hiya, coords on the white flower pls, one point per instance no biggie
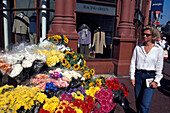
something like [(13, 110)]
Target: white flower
[(26, 63), (16, 70)]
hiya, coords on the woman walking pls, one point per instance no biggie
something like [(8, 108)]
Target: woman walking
[(146, 64)]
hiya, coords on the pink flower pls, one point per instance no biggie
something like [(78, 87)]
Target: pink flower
[(102, 97), (113, 105), (103, 102), (105, 109), (97, 95), (117, 80), (106, 94)]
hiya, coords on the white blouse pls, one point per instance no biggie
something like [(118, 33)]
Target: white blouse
[(153, 61)]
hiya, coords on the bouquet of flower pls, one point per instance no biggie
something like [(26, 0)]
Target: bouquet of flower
[(58, 39), (20, 98), (104, 101)]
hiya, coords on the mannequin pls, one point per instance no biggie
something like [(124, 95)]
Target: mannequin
[(21, 27), (85, 40), (33, 28), (99, 41)]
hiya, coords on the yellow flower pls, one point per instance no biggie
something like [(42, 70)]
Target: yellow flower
[(86, 75), (51, 62), (81, 69), (104, 77), (17, 106), (87, 71), (74, 57), (63, 60), (66, 40), (55, 99), (56, 37), (49, 37), (68, 52), (76, 67), (61, 55), (78, 110), (52, 107), (41, 97), (74, 94), (59, 111), (87, 92), (84, 62), (64, 103), (83, 84), (68, 65), (99, 81), (46, 106), (92, 71), (82, 56), (61, 107), (72, 106), (91, 84)]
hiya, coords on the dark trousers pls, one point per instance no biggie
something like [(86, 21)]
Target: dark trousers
[(84, 49), (21, 38), (143, 94)]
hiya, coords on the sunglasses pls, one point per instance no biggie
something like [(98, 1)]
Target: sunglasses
[(146, 34)]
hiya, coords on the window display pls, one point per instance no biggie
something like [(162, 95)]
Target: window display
[(21, 27), (99, 41), (85, 40), (33, 28)]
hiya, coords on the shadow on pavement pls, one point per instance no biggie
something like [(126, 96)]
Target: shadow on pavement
[(125, 105), (165, 86)]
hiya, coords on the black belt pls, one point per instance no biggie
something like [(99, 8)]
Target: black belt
[(145, 71)]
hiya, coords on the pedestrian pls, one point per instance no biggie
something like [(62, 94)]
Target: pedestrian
[(146, 62), (162, 42)]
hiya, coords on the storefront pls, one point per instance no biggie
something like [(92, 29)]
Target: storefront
[(119, 28)]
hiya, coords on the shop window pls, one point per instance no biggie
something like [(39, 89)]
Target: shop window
[(22, 19), (111, 1), (96, 32)]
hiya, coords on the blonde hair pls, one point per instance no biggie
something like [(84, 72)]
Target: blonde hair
[(155, 32)]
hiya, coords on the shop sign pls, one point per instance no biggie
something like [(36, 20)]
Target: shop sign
[(157, 5), (83, 7), (156, 23)]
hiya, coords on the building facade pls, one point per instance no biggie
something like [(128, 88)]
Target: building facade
[(120, 21)]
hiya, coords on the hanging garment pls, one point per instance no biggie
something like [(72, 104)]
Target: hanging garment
[(21, 25), (99, 41)]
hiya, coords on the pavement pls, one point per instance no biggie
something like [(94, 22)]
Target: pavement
[(161, 99)]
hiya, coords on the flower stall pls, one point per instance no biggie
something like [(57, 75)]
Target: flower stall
[(52, 78)]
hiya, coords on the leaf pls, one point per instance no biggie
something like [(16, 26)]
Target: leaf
[(98, 106)]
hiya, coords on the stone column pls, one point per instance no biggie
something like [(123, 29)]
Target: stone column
[(146, 11), (124, 42), (64, 22)]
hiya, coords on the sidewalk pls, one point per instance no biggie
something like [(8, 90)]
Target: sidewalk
[(161, 98)]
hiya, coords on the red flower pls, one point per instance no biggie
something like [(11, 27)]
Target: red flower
[(68, 109), (125, 89), (43, 111)]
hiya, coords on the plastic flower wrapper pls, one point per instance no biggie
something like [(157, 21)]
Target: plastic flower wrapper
[(4, 70), (52, 54)]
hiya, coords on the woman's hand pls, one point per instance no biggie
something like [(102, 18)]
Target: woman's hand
[(133, 82), (153, 85)]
